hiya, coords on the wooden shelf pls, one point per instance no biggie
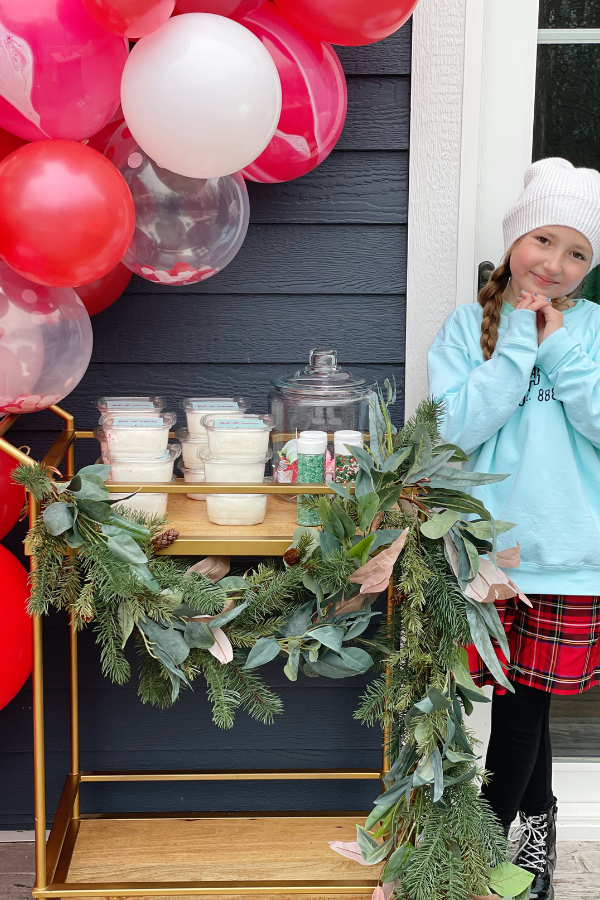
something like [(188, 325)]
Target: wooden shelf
[(128, 855), (199, 536)]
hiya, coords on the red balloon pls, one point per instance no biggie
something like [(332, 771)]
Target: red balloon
[(129, 18), (348, 22), (314, 98), (12, 496), (10, 142), (232, 9), (67, 213), (16, 642), (98, 295)]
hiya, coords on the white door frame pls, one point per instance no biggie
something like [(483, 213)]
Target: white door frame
[(472, 89)]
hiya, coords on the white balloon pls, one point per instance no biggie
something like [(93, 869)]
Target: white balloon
[(201, 95)]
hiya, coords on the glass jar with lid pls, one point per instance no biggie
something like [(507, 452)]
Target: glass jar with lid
[(321, 397)]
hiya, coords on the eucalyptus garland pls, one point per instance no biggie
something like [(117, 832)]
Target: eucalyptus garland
[(409, 522)]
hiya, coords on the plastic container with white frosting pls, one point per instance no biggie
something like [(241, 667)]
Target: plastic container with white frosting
[(144, 471), (235, 471), (195, 475), (198, 407), (101, 438), (238, 436), (152, 504), (130, 406), (138, 437), (236, 509), (191, 447)]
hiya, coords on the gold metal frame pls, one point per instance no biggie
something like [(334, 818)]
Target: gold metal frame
[(52, 859)]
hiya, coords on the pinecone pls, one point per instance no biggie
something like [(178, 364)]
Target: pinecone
[(87, 615), (291, 557), (164, 540)]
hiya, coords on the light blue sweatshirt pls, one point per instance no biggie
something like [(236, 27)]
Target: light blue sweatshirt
[(533, 412)]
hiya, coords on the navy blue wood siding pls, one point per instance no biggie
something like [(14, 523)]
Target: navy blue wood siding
[(324, 263)]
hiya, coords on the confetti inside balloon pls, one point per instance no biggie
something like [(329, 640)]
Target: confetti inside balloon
[(45, 343), (186, 229)]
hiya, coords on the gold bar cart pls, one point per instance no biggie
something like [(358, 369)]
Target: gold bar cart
[(279, 854)]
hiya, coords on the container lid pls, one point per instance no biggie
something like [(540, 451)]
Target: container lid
[(311, 442), (171, 454), (343, 439), (323, 378), (114, 405), (223, 422), (207, 456), (182, 434), (206, 404), (122, 420), (199, 468)]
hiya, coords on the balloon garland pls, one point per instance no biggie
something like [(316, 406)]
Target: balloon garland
[(12, 496), (16, 644)]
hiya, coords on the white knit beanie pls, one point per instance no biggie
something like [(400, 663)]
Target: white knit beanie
[(556, 193)]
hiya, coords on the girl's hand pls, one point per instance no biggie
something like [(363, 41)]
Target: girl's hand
[(548, 319)]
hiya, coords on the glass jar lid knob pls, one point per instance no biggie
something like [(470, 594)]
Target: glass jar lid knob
[(322, 362)]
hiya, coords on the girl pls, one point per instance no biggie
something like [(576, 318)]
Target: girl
[(520, 377)]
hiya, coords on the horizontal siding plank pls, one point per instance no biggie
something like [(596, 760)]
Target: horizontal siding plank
[(184, 328), (388, 57), (352, 187), (378, 113), (306, 259)]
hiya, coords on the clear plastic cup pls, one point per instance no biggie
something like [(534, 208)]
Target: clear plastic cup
[(198, 407), (142, 437), (151, 504), (236, 509), (238, 437), (191, 447), (130, 406), (235, 471), (144, 471), (101, 438)]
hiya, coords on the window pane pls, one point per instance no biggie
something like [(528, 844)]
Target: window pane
[(569, 14), (567, 103)]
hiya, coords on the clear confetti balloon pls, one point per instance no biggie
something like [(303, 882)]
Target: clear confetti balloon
[(45, 343), (186, 229)]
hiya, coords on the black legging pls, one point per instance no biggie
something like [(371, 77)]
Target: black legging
[(520, 754)]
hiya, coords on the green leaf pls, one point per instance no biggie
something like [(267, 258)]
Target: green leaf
[(264, 650), (57, 518), (438, 775), (367, 510), (123, 547), (347, 523), (459, 779), (356, 659), (482, 529), (393, 462), (228, 616), (98, 469), (421, 447), (336, 526), (199, 634), (439, 524), (73, 537), (463, 677), (422, 732), (125, 618), (483, 644), (362, 549), (309, 583), (168, 639), (464, 561), (389, 497), (329, 635), (303, 530), (363, 484), (459, 453), (397, 863), (425, 705), (329, 544), (385, 536), (449, 499), (291, 666), (375, 816), (473, 557), (96, 510), (489, 613), (298, 622), (456, 478), (509, 880), (402, 764), (450, 729), (360, 624), (234, 583), (92, 488), (456, 756), (432, 466), (362, 457), (437, 699), (424, 773), (144, 574), (140, 532), (371, 851), (344, 664)]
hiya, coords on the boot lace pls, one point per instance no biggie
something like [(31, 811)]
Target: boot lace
[(533, 833)]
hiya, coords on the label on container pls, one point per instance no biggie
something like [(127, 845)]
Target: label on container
[(223, 422), (124, 422), (129, 404), (224, 404)]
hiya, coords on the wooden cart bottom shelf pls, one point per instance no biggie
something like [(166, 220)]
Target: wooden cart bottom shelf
[(283, 855)]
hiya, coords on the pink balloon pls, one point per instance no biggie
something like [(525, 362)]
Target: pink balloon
[(314, 98), (130, 18), (233, 9), (60, 72)]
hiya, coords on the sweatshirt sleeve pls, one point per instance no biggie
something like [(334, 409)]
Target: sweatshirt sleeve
[(480, 399), (575, 379)]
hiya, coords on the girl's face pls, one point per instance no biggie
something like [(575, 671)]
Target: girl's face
[(552, 261)]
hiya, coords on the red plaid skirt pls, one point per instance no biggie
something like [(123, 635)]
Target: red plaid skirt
[(554, 646)]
